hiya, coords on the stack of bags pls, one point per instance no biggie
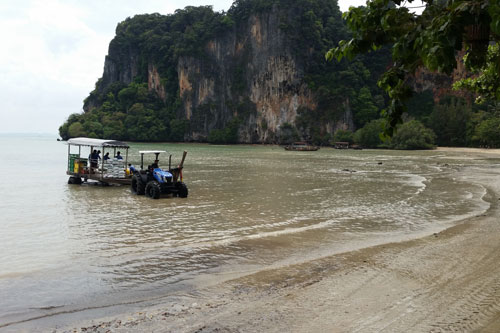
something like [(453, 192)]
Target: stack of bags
[(114, 168)]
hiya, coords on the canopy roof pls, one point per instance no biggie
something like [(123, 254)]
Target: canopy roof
[(151, 151), (97, 142)]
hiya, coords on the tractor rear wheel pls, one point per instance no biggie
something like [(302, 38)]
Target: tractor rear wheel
[(153, 189), (182, 190), (137, 185)]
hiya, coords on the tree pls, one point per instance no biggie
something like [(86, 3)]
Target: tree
[(75, 130), (449, 121), (369, 135), (364, 108), (488, 133), (288, 134), (229, 134), (343, 136), (431, 39), (486, 83), (178, 129), (413, 135)]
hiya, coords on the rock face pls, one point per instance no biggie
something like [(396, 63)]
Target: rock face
[(250, 73), (441, 84)]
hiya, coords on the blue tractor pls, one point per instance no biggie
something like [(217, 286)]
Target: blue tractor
[(154, 181)]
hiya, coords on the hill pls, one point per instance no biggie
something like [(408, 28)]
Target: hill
[(256, 74)]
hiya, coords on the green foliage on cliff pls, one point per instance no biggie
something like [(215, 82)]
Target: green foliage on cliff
[(129, 113), (288, 134), (228, 134)]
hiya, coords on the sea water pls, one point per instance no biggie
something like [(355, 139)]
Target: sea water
[(67, 249)]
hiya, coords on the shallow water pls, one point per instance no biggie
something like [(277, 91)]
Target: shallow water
[(65, 248)]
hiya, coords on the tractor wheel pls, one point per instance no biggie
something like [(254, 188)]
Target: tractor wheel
[(137, 185), (74, 180), (153, 189), (182, 190)]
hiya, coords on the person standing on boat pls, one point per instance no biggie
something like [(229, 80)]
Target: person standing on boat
[(94, 157)]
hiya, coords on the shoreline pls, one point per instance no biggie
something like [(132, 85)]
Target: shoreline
[(445, 281), (482, 151)]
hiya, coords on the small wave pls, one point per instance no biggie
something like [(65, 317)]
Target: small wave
[(419, 182), (266, 234), (208, 242)]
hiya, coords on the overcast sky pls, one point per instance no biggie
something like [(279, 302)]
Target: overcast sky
[(52, 53)]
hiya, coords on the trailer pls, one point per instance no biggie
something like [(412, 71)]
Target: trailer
[(85, 164)]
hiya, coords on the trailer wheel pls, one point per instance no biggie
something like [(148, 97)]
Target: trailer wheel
[(153, 189), (74, 180), (182, 190), (137, 185)]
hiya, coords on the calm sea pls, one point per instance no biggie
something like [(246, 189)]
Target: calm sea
[(70, 249)]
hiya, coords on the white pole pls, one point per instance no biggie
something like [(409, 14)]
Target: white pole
[(69, 155)]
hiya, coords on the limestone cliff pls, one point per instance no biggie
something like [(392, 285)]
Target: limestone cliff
[(253, 66), (441, 85), (251, 72)]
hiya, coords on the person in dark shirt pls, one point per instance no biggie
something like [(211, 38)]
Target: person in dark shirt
[(118, 156), (153, 166), (94, 157), (106, 156)]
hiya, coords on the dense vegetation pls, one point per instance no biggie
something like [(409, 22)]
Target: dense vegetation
[(431, 39), (132, 112)]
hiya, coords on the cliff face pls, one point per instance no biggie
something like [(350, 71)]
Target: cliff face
[(441, 85), (254, 61), (250, 72)]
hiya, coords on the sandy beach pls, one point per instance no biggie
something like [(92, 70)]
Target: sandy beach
[(447, 281)]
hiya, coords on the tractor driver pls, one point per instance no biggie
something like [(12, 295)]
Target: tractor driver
[(154, 165)]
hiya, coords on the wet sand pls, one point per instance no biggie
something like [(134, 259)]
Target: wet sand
[(448, 281)]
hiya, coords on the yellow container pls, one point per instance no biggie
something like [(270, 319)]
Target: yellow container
[(76, 168)]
